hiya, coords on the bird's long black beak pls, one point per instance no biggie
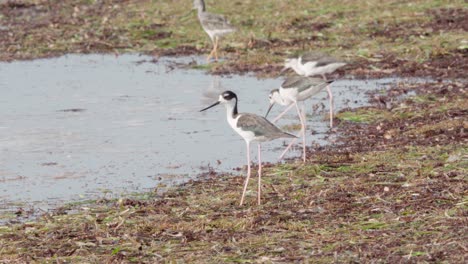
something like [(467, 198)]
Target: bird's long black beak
[(269, 109), (215, 104)]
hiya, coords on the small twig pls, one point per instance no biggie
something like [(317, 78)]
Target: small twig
[(278, 192), (380, 199), (119, 225)]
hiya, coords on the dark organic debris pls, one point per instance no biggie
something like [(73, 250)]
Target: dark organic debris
[(430, 127), (393, 184), (49, 164), (183, 50), (72, 110), (308, 24), (452, 65), (449, 19)]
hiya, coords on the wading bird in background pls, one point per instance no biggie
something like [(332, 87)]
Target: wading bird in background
[(293, 90), (216, 26), (312, 64)]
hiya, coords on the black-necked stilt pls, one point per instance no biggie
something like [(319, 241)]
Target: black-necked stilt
[(296, 89), (216, 26), (251, 128), (312, 64)]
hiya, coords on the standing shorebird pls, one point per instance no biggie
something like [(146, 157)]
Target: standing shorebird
[(251, 128), (216, 26), (296, 89), (315, 63)]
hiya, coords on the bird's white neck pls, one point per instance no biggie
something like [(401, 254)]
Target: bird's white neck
[(231, 114), (231, 109), (296, 65), (200, 10), (280, 100), (200, 6)]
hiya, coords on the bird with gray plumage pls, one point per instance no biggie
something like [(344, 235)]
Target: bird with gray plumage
[(216, 26), (252, 128), (315, 63), (293, 90)]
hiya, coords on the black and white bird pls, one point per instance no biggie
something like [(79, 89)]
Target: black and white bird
[(293, 90), (216, 26), (312, 64), (252, 128)]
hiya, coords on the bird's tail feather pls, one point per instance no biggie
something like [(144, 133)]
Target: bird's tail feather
[(287, 135)]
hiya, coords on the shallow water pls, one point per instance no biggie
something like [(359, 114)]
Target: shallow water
[(87, 126)]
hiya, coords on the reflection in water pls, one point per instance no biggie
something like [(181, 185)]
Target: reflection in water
[(213, 91), (79, 126)]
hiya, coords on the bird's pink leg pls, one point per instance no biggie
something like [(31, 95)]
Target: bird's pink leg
[(294, 140), (259, 174), (303, 133), (282, 113), (330, 95), (216, 48), (248, 174), (209, 56), (288, 147), (212, 52)]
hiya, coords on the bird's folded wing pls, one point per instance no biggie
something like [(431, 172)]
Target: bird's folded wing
[(258, 125), (301, 83), (215, 21), (327, 61)]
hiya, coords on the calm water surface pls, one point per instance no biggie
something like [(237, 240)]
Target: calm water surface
[(87, 126)]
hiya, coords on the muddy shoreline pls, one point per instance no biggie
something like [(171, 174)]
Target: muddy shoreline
[(43, 29), (140, 155), (393, 190), (395, 183)]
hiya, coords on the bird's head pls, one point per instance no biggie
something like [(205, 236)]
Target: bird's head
[(227, 98), (273, 97), (199, 4)]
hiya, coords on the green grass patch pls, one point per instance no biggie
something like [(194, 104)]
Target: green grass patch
[(267, 30), (373, 226), (368, 115)]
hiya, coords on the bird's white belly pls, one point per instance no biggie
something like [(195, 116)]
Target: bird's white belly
[(308, 68), (332, 67), (217, 32), (312, 70), (246, 135), (304, 95), (289, 94)]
